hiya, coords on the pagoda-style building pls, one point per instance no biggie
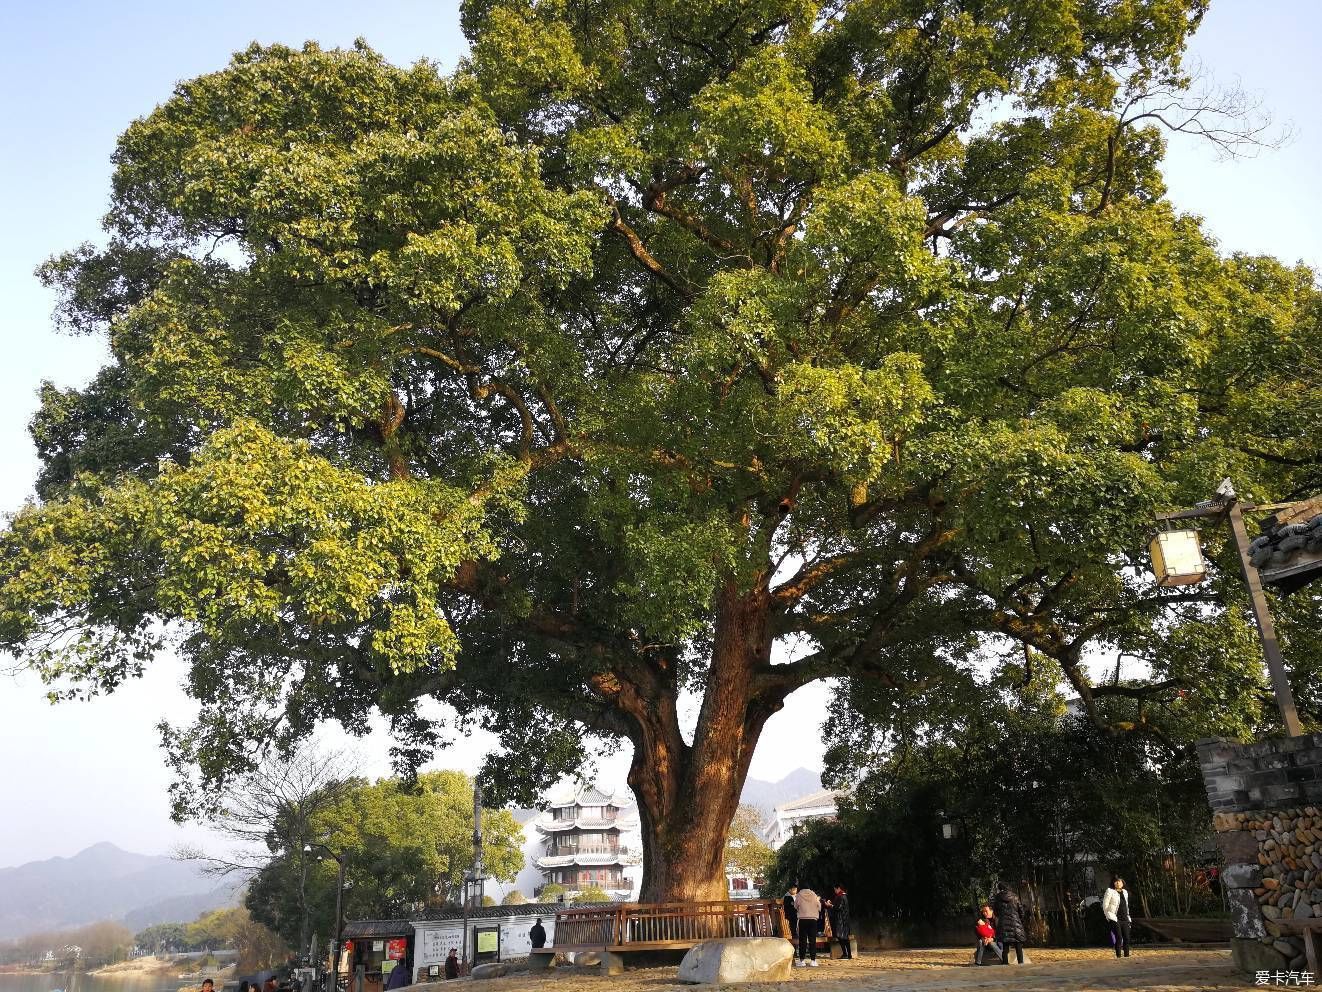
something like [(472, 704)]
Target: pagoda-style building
[(585, 835)]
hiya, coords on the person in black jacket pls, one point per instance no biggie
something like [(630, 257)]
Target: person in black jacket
[(840, 920), (1009, 923), (537, 935), (791, 914)]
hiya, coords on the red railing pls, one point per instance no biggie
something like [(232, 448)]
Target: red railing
[(639, 925)]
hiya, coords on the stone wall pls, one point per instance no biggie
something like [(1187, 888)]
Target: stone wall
[(1266, 801)]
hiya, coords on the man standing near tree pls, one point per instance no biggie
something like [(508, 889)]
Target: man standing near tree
[(1115, 907), (807, 907)]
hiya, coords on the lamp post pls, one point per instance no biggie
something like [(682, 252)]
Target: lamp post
[(473, 880), (1173, 561), (333, 981)]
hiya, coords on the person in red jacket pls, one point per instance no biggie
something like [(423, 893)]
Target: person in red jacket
[(986, 930)]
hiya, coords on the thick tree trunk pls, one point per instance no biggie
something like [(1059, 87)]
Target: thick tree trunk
[(688, 793)]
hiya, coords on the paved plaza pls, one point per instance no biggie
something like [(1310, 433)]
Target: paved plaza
[(1160, 970)]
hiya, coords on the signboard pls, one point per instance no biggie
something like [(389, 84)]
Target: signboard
[(378, 946), (396, 949), (435, 944), (488, 941)]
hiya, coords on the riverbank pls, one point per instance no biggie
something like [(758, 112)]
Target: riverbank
[(146, 965)]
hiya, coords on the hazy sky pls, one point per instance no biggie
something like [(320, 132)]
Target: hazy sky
[(76, 73)]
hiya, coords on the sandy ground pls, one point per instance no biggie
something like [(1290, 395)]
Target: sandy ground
[(1051, 970), (138, 966)]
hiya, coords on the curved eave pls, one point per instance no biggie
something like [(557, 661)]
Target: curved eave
[(581, 861)]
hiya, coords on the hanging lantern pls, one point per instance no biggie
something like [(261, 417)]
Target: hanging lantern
[(1177, 558)]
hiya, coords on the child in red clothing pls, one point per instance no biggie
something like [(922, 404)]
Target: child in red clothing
[(986, 935)]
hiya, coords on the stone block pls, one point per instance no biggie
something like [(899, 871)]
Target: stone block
[(836, 952), (604, 962), (1222, 822), (737, 959), (544, 962), (1242, 876), (492, 969), (1245, 917), (1252, 956), (1237, 847)]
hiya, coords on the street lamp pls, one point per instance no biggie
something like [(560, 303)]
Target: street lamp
[(1177, 560), (332, 983)]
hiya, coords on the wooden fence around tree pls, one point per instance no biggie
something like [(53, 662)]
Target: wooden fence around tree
[(666, 925)]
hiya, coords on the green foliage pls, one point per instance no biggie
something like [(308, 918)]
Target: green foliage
[(650, 339), (745, 851), (406, 849), (514, 898), (592, 893), (1033, 796), (258, 948), (551, 892), (163, 938)]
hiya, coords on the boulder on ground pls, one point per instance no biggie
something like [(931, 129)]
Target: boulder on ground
[(737, 959), (604, 961), (493, 969)]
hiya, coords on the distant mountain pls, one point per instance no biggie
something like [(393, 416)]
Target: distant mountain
[(105, 883), (767, 795)]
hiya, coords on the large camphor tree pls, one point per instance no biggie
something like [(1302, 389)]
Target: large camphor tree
[(708, 347)]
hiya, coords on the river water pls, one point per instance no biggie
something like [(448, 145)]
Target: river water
[(89, 983)]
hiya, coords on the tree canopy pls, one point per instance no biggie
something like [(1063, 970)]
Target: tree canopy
[(1018, 790), (717, 346), (406, 849)]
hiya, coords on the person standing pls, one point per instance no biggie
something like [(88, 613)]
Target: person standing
[(452, 964), (791, 917), (1115, 907), (399, 976), (840, 921), (1009, 923), (807, 906), (537, 935)]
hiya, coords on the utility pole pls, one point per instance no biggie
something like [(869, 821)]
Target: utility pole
[(1227, 506), (333, 976)]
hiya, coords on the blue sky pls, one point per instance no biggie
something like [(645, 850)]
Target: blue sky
[(76, 73)]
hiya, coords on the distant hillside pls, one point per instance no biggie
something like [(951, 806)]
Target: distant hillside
[(105, 883), (767, 795)]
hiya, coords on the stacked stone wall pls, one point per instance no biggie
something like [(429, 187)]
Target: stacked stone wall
[(1266, 800)]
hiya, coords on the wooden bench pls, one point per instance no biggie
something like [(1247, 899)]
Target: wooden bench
[(1309, 930)]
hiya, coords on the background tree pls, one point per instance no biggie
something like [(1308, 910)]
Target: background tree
[(267, 814), (406, 846), (1032, 794), (514, 898), (593, 893), (746, 852), (257, 946), (163, 938), (716, 348)]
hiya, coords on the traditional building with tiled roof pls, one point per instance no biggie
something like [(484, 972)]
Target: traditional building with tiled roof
[(585, 834), (788, 817)]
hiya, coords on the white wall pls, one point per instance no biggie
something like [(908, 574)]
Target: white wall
[(434, 938)]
